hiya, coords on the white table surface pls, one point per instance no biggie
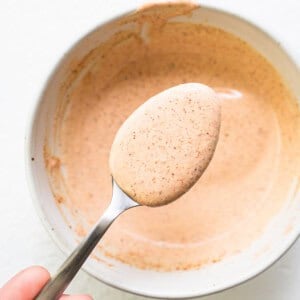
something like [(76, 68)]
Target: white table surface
[(34, 34)]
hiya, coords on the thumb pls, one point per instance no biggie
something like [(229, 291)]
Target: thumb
[(25, 285)]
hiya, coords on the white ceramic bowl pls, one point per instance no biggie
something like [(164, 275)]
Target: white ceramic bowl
[(183, 284)]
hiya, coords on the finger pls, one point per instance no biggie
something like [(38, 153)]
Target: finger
[(25, 285), (76, 297)]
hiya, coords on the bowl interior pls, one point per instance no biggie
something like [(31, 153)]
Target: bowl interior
[(181, 284)]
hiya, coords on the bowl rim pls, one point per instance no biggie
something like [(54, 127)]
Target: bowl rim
[(33, 113)]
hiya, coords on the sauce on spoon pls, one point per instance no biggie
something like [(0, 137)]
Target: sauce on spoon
[(165, 145)]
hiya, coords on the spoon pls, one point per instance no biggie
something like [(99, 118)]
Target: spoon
[(55, 287), (160, 121)]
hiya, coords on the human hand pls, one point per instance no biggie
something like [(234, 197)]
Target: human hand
[(27, 284)]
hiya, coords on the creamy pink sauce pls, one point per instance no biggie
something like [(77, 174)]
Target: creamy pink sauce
[(165, 145), (247, 181)]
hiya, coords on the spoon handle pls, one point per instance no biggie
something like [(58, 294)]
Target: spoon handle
[(57, 284)]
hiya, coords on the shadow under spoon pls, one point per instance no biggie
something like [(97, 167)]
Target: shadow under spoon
[(57, 284)]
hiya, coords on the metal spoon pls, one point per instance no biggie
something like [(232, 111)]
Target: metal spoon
[(55, 287)]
